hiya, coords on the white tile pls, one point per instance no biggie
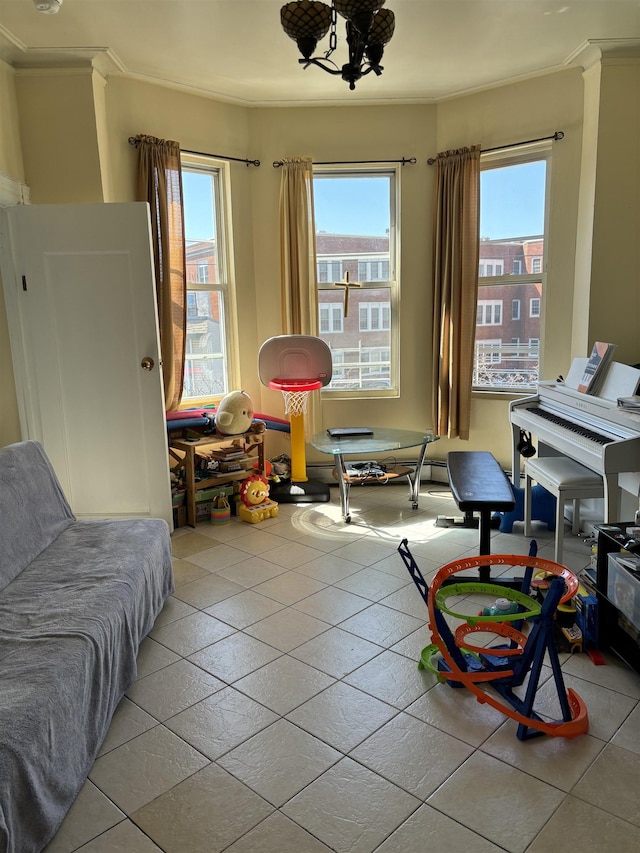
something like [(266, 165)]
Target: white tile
[(145, 767), (329, 568), (220, 722), (252, 571), (381, 625), (289, 587), (244, 608), (351, 809), (628, 735), (494, 800), (123, 838), (332, 605), (128, 721), (372, 584), (207, 591), (218, 557), (612, 783), (152, 656), (284, 684), (336, 652), (412, 754), (392, 678), (456, 711), (428, 829), (342, 716), (581, 826), (278, 834), (287, 629), (191, 633), (279, 761), (90, 815), (163, 694), (235, 656), (203, 814)]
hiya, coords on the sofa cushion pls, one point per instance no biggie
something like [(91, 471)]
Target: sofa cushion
[(33, 508)]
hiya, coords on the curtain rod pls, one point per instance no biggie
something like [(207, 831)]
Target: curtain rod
[(134, 142), (559, 134), (411, 160)]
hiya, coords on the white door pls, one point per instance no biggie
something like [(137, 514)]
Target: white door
[(80, 293)]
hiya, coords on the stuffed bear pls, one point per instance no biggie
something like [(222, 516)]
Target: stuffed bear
[(234, 415), (543, 508)]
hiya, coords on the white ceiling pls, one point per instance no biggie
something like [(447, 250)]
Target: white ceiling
[(236, 50)]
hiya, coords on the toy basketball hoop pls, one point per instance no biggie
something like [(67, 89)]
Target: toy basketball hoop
[(295, 393), (296, 365)]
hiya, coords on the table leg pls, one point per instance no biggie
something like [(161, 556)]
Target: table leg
[(414, 479), (344, 487)]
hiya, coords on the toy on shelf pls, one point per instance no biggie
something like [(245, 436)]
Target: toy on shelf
[(493, 673), (255, 505)]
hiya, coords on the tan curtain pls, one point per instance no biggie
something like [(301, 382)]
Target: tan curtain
[(160, 183), (455, 287), (298, 263)]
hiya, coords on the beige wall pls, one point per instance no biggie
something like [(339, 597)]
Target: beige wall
[(615, 258), (59, 135), (99, 122)]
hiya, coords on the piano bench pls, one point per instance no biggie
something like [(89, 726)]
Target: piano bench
[(478, 484), (568, 481)]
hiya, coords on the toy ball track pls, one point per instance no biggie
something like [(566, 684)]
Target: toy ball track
[(453, 657)]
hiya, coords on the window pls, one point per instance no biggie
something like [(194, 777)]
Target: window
[(489, 314), (329, 271), (209, 370), (374, 316), (373, 269), (330, 318), (513, 191), (355, 214), (490, 266)]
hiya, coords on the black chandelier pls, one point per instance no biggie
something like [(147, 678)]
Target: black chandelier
[(369, 29)]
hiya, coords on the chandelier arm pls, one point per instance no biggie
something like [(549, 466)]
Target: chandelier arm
[(313, 60)]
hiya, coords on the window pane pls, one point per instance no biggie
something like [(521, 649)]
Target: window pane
[(512, 241), (206, 366), (354, 218)]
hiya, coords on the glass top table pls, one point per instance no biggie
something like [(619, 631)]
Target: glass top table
[(382, 441)]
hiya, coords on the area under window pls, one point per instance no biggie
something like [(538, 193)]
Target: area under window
[(210, 311), (355, 215), (513, 191)]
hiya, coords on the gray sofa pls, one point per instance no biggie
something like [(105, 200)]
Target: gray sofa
[(76, 599)]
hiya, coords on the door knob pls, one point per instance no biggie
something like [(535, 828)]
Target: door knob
[(147, 363)]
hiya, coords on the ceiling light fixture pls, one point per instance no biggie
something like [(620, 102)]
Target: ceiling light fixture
[(49, 7), (369, 29)]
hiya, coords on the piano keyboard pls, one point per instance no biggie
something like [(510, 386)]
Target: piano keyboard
[(578, 429)]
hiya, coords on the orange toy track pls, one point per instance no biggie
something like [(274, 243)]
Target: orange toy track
[(516, 657)]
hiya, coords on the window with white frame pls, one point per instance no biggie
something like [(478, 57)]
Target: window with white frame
[(209, 360), (330, 319), (374, 316), (513, 217), (489, 313), (355, 215), (490, 266)]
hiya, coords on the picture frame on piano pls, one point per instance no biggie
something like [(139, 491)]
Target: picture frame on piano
[(596, 368)]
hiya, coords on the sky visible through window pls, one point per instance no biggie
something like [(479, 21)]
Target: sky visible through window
[(361, 205)]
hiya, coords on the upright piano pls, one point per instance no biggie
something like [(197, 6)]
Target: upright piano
[(591, 429)]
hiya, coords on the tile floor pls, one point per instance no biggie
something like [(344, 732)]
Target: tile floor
[(279, 708)]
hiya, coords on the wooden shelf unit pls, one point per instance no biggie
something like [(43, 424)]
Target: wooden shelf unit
[(252, 443)]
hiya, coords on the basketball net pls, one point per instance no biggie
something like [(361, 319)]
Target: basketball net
[(295, 402)]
